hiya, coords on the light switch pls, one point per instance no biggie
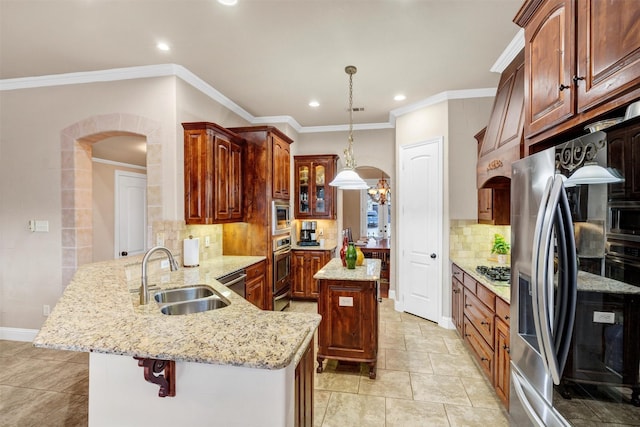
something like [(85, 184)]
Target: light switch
[(40, 226)]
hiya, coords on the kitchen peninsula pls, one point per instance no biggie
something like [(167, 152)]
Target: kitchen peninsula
[(348, 302), (226, 360)]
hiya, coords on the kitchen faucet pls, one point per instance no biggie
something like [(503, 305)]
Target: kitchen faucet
[(144, 289)]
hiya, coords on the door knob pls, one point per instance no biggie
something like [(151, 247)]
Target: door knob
[(433, 256), (124, 253)]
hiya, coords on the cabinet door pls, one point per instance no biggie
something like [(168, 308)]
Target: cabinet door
[(222, 179), (502, 360), (548, 66), (198, 182), (456, 305), (485, 205), (608, 61), (304, 189), (298, 274), (315, 198), (317, 260), (623, 154), (281, 168), (235, 181)]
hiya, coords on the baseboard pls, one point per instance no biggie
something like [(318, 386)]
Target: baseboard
[(447, 323), (392, 294), (18, 334)]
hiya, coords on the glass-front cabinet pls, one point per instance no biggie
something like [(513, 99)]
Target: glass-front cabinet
[(314, 197)]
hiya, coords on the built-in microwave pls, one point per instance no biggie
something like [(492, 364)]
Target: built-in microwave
[(281, 217), (624, 220)]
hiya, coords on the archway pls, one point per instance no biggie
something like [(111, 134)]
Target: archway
[(76, 180)]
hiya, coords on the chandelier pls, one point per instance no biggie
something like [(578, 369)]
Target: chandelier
[(348, 178), (381, 192)]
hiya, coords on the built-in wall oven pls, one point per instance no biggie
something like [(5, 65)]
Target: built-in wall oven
[(281, 272)]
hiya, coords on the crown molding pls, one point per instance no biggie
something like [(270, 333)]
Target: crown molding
[(167, 70), (509, 53)]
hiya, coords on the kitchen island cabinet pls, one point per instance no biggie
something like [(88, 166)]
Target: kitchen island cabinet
[(304, 264), (348, 304), (225, 360)]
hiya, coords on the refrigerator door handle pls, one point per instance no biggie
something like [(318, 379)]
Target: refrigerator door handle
[(544, 217), (519, 383), (544, 282)]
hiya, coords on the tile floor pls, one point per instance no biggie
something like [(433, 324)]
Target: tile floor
[(425, 377)]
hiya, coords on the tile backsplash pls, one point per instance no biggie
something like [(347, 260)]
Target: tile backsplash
[(174, 232), (470, 240)]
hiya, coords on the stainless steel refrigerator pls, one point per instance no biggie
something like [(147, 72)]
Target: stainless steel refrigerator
[(553, 309)]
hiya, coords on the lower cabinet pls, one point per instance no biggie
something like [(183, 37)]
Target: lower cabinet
[(256, 284), (482, 319), (304, 389), (304, 264)]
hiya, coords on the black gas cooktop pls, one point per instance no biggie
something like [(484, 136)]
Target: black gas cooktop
[(499, 274)]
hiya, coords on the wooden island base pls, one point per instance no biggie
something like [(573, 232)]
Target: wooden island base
[(348, 302)]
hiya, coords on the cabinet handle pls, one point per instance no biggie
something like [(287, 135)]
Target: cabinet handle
[(484, 323), (506, 317), (576, 79), (484, 359), (467, 335), (506, 348), (467, 305), (563, 87)]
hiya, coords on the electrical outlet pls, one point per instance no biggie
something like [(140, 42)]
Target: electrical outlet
[(207, 241), (160, 239), (164, 263), (46, 310), (604, 317), (321, 232)]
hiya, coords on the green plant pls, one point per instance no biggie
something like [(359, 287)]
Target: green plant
[(500, 246)]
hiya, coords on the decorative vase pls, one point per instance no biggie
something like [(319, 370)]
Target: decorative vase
[(360, 259), (343, 251), (502, 259), (351, 256)]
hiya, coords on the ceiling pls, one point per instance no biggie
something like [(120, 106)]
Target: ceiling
[(271, 57)]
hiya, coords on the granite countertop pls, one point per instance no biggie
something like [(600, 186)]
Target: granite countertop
[(100, 312), (501, 289), (326, 247), (333, 270), (588, 282)]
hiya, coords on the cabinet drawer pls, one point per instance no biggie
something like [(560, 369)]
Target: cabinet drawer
[(481, 350), (503, 310), (470, 283), (456, 273), (255, 270), (486, 296), (481, 317)]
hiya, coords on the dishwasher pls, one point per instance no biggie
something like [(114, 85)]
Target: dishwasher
[(234, 281)]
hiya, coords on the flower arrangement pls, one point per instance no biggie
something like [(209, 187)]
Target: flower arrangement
[(500, 245)]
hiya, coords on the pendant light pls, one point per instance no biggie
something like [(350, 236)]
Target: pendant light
[(348, 178), (592, 173)]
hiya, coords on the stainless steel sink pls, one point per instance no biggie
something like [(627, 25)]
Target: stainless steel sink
[(190, 299), (195, 306), (183, 294)]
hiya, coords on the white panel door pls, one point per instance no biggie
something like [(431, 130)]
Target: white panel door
[(420, 223), (131, 214)]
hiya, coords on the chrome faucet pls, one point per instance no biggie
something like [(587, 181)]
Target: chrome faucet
[(144, 289)]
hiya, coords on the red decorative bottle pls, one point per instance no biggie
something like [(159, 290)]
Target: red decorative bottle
[(343, 250)]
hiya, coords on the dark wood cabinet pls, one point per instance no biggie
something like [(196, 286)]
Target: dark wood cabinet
[(582, 60), (494, 205), (254, 235), (212, 174), (623, 154), (304, 264), (482, 319), (281, 168), (315, 198), (457, 293), (349, 327), (256, 284), (304, 389)]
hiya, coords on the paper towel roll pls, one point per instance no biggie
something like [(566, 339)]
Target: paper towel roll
[(191, 252)]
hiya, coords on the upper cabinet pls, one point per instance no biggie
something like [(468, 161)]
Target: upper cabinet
[(212, 174), (501, 143), (582, 60), (281, 168), (314, 198)]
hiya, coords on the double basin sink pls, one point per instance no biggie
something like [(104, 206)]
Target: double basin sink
[(190, 299)]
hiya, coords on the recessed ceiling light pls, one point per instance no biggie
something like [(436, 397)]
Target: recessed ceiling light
[(399, 97), (314, 104), (228, 2), (163, 46)]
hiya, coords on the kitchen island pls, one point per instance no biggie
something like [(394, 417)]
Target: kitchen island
[(348, 302), (226, 360)]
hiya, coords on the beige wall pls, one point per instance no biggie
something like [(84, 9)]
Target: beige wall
[(104, 208)]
